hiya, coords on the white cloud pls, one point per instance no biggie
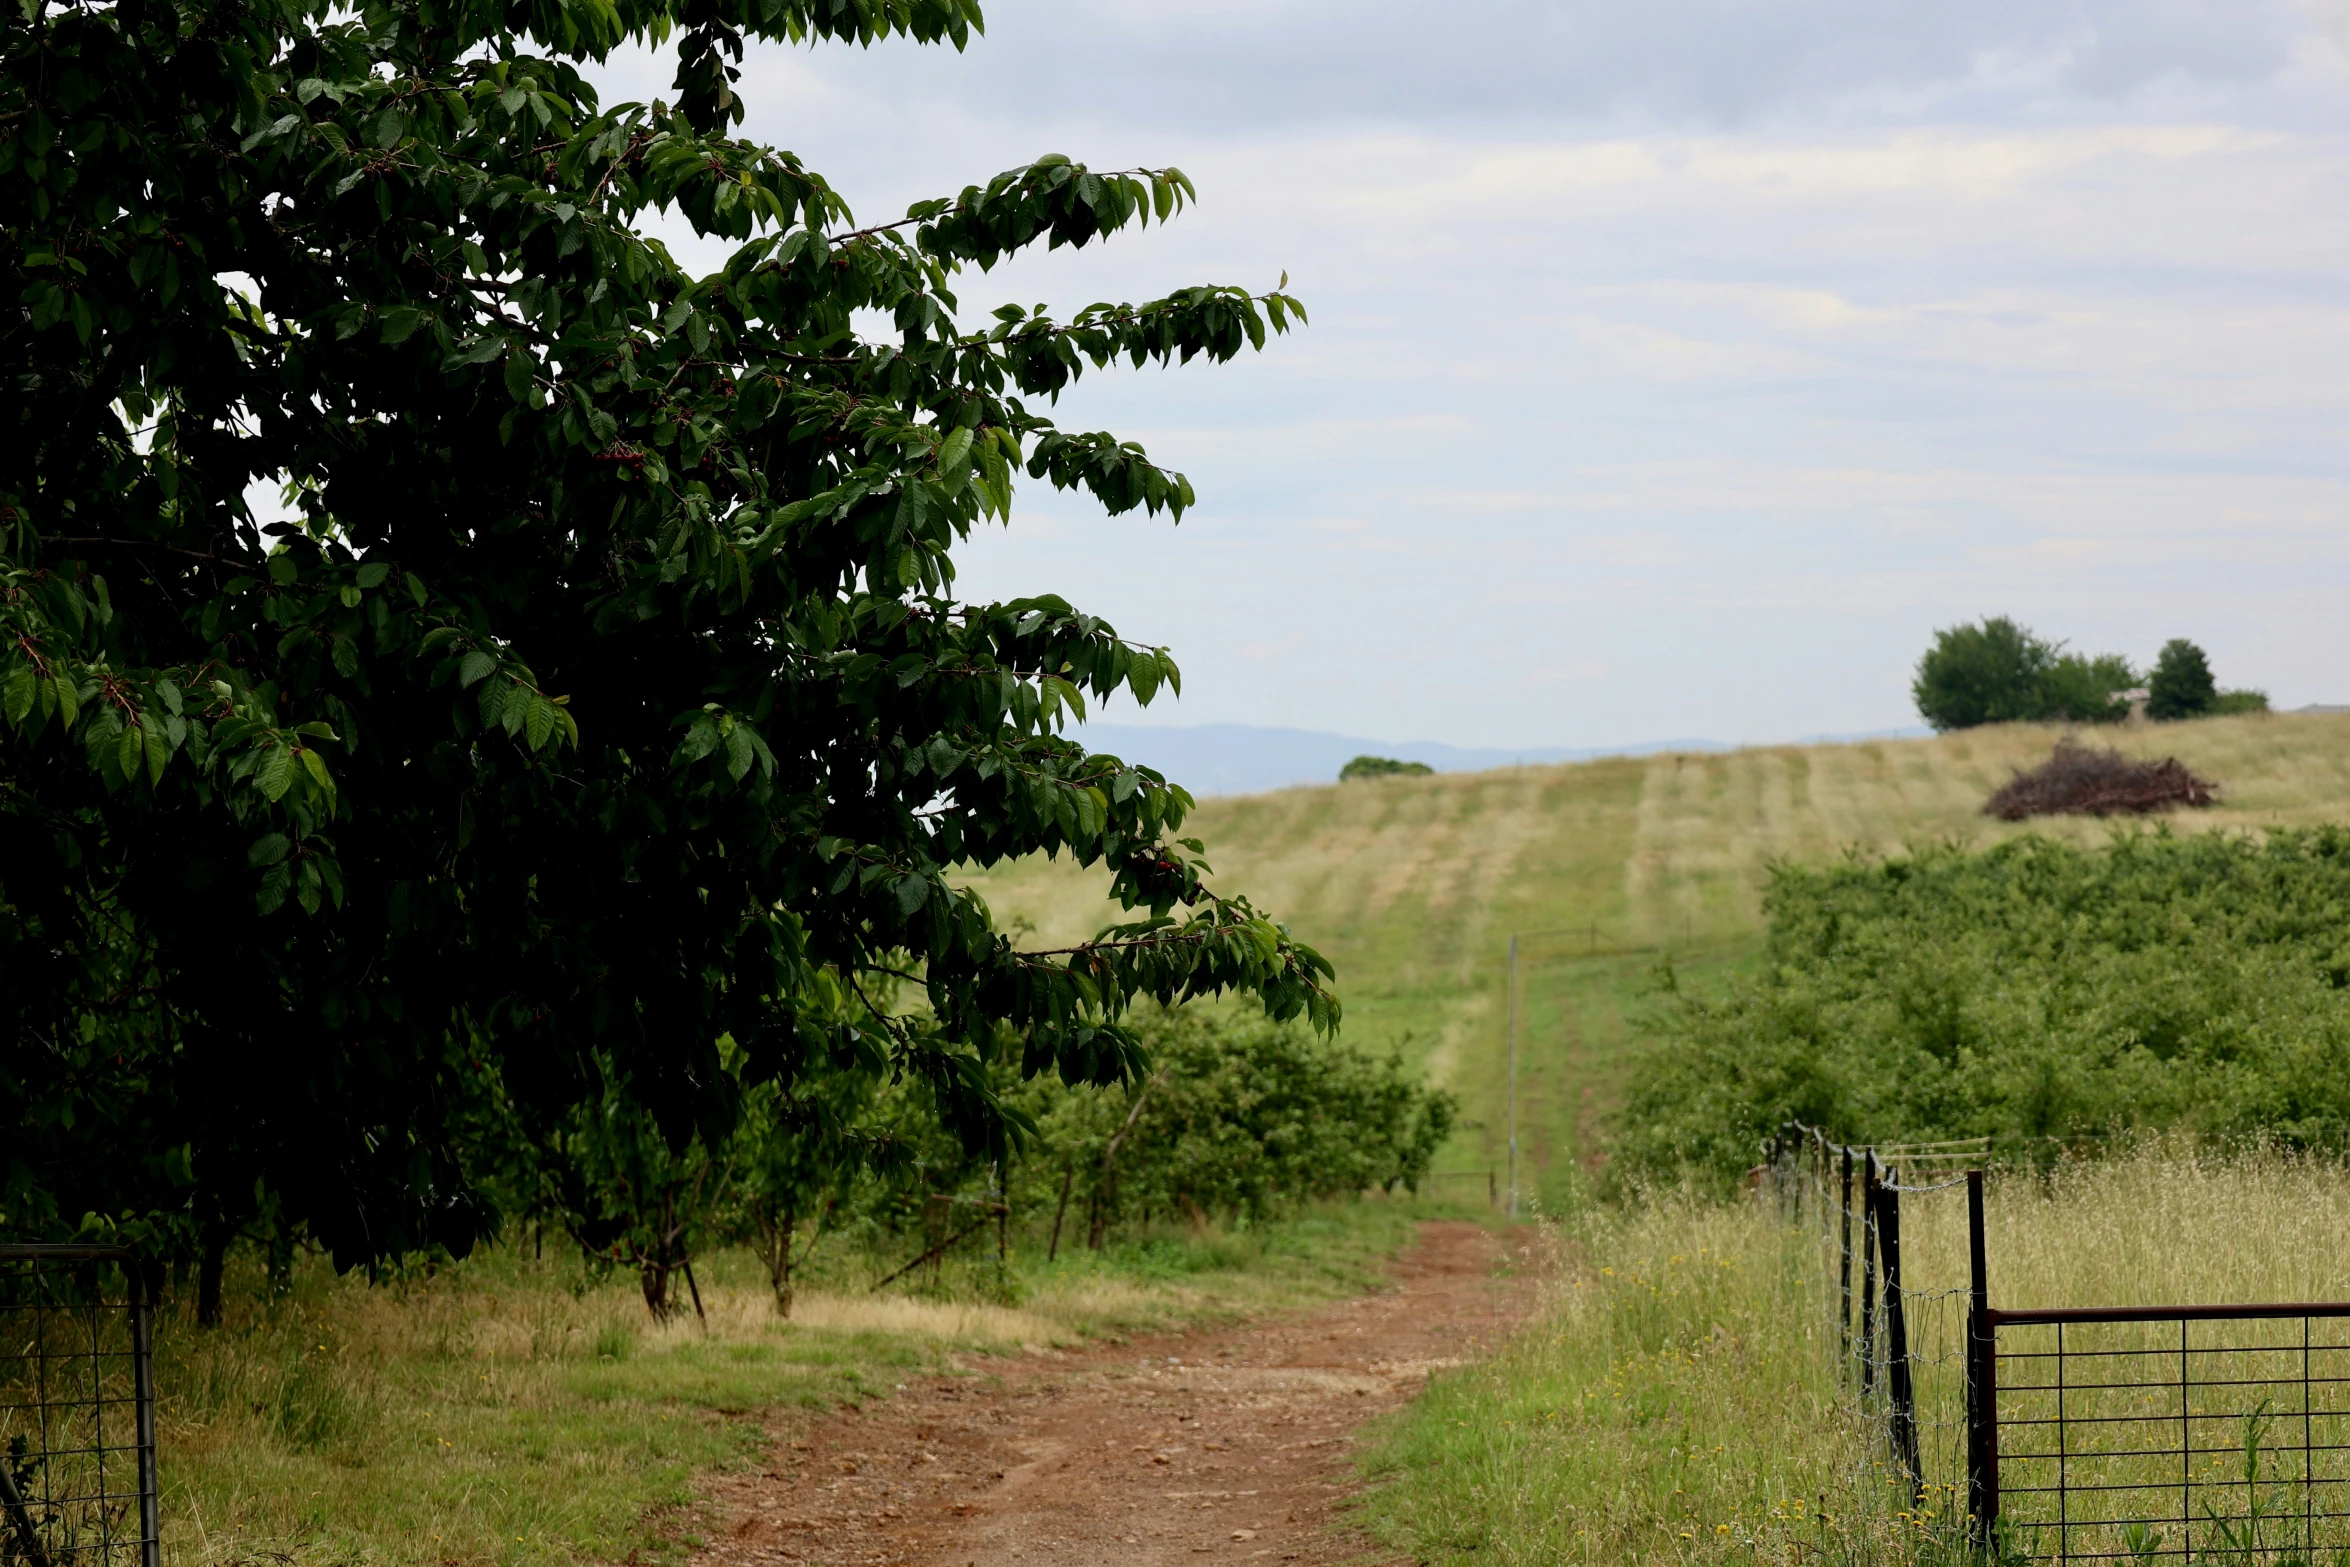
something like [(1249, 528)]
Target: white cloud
[(1676, 369)]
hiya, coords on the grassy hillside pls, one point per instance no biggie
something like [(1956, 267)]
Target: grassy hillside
[(1413, 885)]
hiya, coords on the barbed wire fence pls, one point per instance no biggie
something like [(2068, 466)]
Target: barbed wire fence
[(1904, 1343)]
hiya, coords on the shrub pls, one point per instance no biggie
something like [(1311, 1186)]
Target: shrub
[(1242, 1119), (1245, 1119), (2029, 990), (2235, 702), (1382, 767), (1238, 1119), (2181, 685), (2096, 781)]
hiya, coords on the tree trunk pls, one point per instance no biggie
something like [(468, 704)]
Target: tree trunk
[(1106, 1190), (653, 1278), (208, 1272), (776, 1232), (1068, 1174)]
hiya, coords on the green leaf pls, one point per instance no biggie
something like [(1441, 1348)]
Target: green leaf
[(519, 384), (371, 575), (18, 693), (274, 774), (400, 323), (268, 849), (699, 741), (912, 890), (315, 765), (954, 454), (474, 667)]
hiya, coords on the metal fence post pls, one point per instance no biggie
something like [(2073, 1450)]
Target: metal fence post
[(1982, 1379), (1897, 1379), (143, 1394), (1513, 1074)]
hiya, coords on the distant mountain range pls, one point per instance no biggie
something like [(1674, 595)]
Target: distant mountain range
[(1246, 759)]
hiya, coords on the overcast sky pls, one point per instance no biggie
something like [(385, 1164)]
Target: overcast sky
[(1675, 368)]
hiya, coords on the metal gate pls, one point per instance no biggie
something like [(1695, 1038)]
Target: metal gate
[(2137, 1433), (77, 1409), (2182, 1433)]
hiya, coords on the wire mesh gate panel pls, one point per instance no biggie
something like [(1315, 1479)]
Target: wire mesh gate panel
[(2195, 1434), (2172, 1432), (77, 1410)]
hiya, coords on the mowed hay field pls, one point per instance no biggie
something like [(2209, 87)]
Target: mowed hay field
[(1412, 886)]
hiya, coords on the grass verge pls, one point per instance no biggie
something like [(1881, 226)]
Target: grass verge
[(510, 1410)]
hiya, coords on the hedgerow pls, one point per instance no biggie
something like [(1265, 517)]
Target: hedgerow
[(2035, 991)]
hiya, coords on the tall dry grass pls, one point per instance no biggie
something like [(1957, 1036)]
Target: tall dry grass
[(1682, 1397), (2165, 1221)]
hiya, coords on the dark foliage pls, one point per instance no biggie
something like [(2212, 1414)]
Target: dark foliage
[(2181, 685), (2081, 780), (1382, 767), (605, 695), (2000, 672)]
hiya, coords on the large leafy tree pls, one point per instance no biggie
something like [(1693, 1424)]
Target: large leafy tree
[(605, 693), (1999, 672)]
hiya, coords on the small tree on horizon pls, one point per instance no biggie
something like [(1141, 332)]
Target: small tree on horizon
[(1981, 674), (1382, 767), (2181, 686)]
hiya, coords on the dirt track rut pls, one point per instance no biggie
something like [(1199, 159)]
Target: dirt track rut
[(1233, 1442)]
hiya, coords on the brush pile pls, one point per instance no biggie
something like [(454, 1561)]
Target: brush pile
[(2080, 780)]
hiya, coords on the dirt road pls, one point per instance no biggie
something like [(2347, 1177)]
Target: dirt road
[(1232, 1443)]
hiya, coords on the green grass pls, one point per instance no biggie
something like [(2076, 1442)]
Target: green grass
[(1667, 1406), (1412, 886), (506, 1410)]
